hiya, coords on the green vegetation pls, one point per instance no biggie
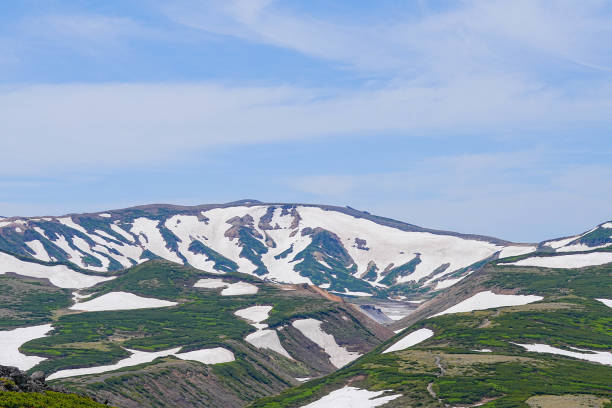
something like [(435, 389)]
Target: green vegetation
[(592, 282), (202, 319), (447, 369), (27, 301), (600, 236), (402, 270), (339, 274), (252, 249), (47, 399)]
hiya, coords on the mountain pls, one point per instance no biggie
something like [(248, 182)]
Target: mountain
[(508, 335), (292, 305), (340, 249)]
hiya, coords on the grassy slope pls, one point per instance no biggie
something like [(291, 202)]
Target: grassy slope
[(457, 375), (202, 319), (48, 399), (28, 301)]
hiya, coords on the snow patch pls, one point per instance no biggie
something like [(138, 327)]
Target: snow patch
[(450, 282), (602, 357), (206, 356), (351, 397), (59, 275), (67, 221), (349, 293), (11, 340), (105, 215), (255, 315), (151, 238), (267, 339), (607, 302), (410, 340), (566, 261), (489, 300), (311, 329), (121, 301), (581, 248), (104, 234), (261, 338), (556, 244), (231, 289), (515, 250), (39, 250), (215, 355), (122, 232)]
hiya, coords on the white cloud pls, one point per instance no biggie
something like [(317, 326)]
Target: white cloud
[(108, 124)]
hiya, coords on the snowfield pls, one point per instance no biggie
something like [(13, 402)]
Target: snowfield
[(566, 261), (281, 231), (59, 275), (215, 355), (581, 248), (239, 288), (489, 300), (449, 282), (607, 302), (151, 238), (387, 245), (39, 250), (349, 293), (11, 340), (602, 357), (311, 329), (262, 338), (267, 339), (410, 340), (351, 397), (255, 315), (515, 250), (120, 301), (231, 289), (207, 356)]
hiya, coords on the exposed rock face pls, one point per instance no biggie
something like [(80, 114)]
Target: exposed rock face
[(13, 379)]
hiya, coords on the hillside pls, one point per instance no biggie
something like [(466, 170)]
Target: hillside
[(339, 249), (551, 348), (230, 305), (237, 338)]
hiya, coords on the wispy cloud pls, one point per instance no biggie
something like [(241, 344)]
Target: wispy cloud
[(110, 124), (471, 37)]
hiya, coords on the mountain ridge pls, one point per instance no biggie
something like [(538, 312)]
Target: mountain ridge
[(337, 248)]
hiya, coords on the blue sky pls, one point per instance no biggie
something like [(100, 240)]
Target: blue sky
[(489, 117)]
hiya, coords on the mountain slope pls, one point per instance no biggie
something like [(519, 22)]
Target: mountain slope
[(340, 249), (553, 347), (237, 337)]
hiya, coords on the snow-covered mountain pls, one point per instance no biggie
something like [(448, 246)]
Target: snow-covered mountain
[(336, 248), (596, 238)]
